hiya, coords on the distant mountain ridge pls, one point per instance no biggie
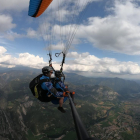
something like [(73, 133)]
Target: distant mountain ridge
[(117, 84)]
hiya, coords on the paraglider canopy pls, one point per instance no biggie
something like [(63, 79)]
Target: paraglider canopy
[(59, 24), (37, 7)]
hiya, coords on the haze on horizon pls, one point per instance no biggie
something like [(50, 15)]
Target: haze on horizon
[(106, 43)]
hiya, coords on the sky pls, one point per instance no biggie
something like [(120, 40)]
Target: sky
[(103, 36)]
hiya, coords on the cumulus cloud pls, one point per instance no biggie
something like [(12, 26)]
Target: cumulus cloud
[(90, 63), (6, 26), (16, 5), (32, 33), (63, 13), (58, 46), (2, 50), (63, 10), (83, 62), (6, 23), (56, 23), (24, 59), (76, 55), (119, 32), (12, 35)]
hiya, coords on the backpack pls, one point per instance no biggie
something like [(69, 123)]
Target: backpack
[(37, 91)]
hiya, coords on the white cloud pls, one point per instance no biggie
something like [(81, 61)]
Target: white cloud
[(58, 46), (30, 60), (64, 13), (83, 62), (58, 14), (19, 5), (7, 66), (12, 35), (76, 55), (16, 5), (63, 10), (6, 26), (90, 63), (32, 33), (2, 50), (119, 32), (24, 59), (6, 23)]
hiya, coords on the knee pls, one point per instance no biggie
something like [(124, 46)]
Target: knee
[(62, 98)]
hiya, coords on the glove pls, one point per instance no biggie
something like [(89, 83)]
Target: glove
[(72, 92), (66, 88), (65, 94)]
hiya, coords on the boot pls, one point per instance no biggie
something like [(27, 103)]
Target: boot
[(61, 109)]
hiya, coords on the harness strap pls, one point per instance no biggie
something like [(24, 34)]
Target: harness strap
[(38, 84), (36, 92), (43, 80), (63, 61), (50, 62), (53, 91)]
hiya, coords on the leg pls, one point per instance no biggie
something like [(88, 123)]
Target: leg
[(61, 101), (60, 105)]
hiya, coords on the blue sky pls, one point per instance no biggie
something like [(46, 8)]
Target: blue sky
[(106, 44)]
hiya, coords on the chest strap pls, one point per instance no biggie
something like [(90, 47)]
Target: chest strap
[(43, 80)]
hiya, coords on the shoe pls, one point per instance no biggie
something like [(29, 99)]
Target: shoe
[(61, 109)]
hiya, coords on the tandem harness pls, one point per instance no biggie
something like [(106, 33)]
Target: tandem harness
[(37, 91)]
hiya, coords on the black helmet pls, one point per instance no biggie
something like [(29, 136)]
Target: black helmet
[(58, 73), (47, 69)]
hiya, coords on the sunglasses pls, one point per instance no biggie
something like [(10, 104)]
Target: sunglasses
[(51, 72)]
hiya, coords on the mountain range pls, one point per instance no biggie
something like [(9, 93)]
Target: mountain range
[(108, 107)]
